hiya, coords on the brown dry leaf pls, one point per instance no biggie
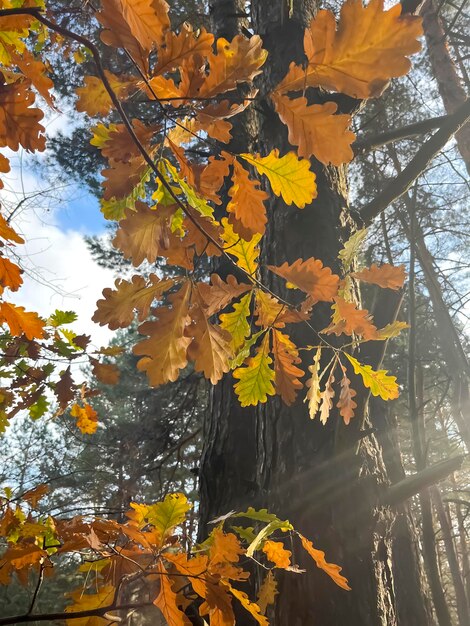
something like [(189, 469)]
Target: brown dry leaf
[(117, 308), (236, 62), (311, 277), (331, 569), (267, 592), (276, 553), (65, 389), (316, 130), (286, 358), (21, 321), (348, 319), (19, 123), (175, 48), (359, 58), (386, 276), (313, 396), (106, 373), (94, 100), (122, 178), (212, 177), (164, 352), (326, 396), (346, 403), (10, 274), (119, 145), (210, 347), (142, 234), (218, 294), (246, 209)]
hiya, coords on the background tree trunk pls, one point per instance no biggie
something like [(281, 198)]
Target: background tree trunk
[(325, 479)]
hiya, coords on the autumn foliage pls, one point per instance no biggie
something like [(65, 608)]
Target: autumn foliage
[(172, 208)]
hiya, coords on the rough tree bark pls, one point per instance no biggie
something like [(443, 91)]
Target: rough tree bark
[(325, 479)]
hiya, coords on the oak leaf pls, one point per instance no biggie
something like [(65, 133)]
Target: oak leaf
[(348, 319), (289, 176), (87, 602), (10, 274), (236, 322), (117, 308), (251, 607), (246, 252), (210, 347), (148, 20), (21, 321), (93, 98), (168, 514), (246, 205), (346, 403), (115, 142), (8, 233), (267, 592), (326, 396), (379, 382), (175, 48), (19, 123), (65, 389), (331, 569), (87, 418), (313, 396), (255, 379), (106, 373), (165, 349), (311, 277), (286, 358), (391, 330), (276, 553), (316, 130), (35, 71), (386, 276), (217, 294)]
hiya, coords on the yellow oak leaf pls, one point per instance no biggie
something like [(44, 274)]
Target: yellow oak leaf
[(88, 601), (94, 100), (289, 176), (386, 276), (286, 358), (236, 322), (346, 403), (250, 606), (379, 382), (267, 592), (370, 46), (178, 47), (316, 130), (168, 514), (165, 349), (210, 347), (87, 418), (331, 569), (21, 321), (246, 252), (10, 274), (117, 308), (276, 553), (168, 601), (391, 330), (246, 205), (255, 379), (311, 277)]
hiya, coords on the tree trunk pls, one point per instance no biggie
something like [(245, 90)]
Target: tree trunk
[(325, 479)]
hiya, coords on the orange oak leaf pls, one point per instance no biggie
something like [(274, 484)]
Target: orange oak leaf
[(116, 143), (346, 403), (10, 274), (117, 308), (142, 234), (218, 294), (4, 167), (175, 48), (286, 358), (316, 130), (210, 347), (348, 319), (311, 277), (212, 177), (251, 607), (93, 98), (386, 276), (122, 178), (236, 62), (267, 592), (246, 209), (87, 418), (165, 349), (19, 123), (7, 232), (106, 373), (225, 551), (35, 71), (370, 47), (21, 321), (276, 553), (318, 556), (168, 601), (148, 20)]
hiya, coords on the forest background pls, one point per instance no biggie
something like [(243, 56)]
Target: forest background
[(149, 441)]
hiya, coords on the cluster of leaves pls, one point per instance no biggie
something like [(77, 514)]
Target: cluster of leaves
[(147, 553), (187, 74)]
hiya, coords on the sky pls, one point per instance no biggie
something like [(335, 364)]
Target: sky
[(59, 271)]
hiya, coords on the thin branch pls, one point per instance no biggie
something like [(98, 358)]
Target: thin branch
[(399, 185)]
